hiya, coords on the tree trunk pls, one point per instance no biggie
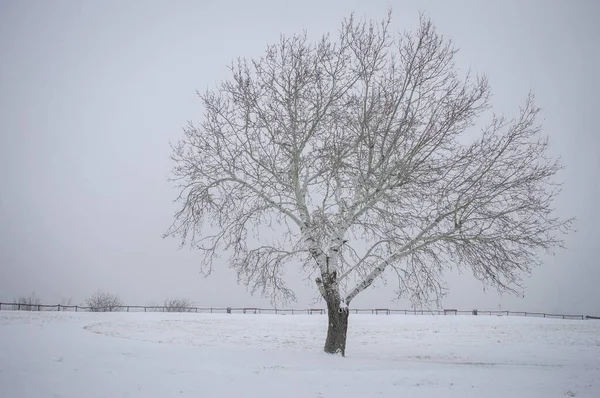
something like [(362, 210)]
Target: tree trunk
[(337, 328)]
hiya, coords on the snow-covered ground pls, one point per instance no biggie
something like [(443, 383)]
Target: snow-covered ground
[(160, 355)]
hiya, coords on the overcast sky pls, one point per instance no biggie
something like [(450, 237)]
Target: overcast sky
[(91, 93)]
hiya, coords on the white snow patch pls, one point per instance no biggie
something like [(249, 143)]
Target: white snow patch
[(154, 355)]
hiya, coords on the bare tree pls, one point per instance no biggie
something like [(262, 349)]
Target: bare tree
[(102, 301), (178, 305), (365, 154), (29, 303)]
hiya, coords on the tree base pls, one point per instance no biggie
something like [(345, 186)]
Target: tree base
[(337, 329)]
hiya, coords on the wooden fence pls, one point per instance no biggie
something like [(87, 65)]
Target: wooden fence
[(252, 310)]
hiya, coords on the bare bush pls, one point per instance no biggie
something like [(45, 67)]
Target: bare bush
[(66, 302), (153, 306), (178, 305), (102, 301), (29, 303)]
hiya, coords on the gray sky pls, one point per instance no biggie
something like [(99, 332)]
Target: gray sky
[(93, 91)]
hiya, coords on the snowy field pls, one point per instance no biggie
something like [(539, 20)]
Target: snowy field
[(160, 355)]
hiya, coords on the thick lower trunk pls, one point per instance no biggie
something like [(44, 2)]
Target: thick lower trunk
[(337, 328), (337, 312)]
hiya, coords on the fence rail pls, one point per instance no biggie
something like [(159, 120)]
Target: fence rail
[(277, 311)]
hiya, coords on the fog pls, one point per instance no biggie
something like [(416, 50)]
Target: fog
[(92, 92)]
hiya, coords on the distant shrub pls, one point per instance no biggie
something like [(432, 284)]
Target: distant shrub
[(178, 305), (66, 302), (153, 306), (30, 303), (102, 301)]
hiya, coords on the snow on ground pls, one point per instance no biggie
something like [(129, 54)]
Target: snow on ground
[(160, 355)]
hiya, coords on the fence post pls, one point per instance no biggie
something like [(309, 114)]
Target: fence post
[(0, 306), (59, 308), (75, 308), (39, 308), (127, 308), (19, 307)]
